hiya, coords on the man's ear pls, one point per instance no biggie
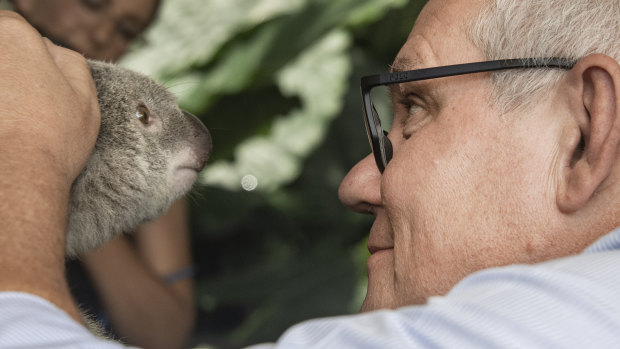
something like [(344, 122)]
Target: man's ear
[(591, 152)]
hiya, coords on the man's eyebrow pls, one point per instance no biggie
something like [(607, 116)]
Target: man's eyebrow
[(403, 64)]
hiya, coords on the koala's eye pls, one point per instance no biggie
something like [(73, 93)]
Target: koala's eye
[(143, 114)]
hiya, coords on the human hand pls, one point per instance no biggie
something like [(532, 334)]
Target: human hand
[(49, 115)]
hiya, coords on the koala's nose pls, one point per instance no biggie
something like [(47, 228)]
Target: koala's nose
[(201, 143)]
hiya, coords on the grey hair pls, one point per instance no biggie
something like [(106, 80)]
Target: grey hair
[(542, 28)]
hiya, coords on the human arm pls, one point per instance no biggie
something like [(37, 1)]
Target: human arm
[(142, 307), (49, 119)]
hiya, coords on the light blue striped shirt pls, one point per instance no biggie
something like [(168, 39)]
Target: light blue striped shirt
[(572, 302)]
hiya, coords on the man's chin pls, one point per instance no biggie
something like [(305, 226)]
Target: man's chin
[(380, 290), (367, 306), (378, 296), (376, 303)]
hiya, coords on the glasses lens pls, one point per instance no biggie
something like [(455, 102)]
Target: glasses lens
[(381, 137), (380, 97), (382, 117)]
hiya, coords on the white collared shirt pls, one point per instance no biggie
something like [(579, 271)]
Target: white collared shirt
[(572, 302)]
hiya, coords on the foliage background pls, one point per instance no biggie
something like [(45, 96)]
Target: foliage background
[(277, 83)]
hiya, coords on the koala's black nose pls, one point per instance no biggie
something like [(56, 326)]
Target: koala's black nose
[(201, 142)]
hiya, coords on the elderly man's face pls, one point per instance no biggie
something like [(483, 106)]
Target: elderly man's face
[(467, 188)]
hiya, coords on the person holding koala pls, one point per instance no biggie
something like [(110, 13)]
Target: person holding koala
[(55, 124), (140, 288), (104, 199)]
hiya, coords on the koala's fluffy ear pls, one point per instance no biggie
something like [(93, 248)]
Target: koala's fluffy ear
[(592, 145)]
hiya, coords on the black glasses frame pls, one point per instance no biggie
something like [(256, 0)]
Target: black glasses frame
[(380, 144)]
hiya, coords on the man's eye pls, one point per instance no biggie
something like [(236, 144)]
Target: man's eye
[(415, 119), (410, 107), (413, 108)]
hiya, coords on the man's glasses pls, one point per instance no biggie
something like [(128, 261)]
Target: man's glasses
[(380, 144)]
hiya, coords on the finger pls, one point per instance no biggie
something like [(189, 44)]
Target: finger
[(12, 15), (17, 35), (74, 67), (76, 70)]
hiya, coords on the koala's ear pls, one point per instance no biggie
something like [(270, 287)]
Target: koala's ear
[(591, 150)]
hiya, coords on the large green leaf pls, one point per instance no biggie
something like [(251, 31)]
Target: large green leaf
[(319, 77), (277, 82), (188, 33)]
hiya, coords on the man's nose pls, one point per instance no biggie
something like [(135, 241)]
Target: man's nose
[(360, 190)]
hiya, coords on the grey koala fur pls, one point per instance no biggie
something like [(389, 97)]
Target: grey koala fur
[(136, 170)]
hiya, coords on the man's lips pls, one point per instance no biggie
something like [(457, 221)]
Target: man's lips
[(380, 257), (380, 237), (374, 249)]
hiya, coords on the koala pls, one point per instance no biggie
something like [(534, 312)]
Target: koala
[(147, 155)]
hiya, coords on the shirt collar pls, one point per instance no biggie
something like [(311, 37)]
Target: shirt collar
[(608, 242)]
